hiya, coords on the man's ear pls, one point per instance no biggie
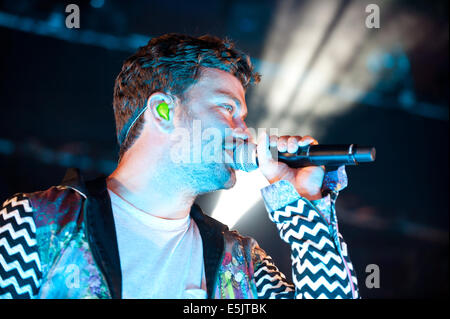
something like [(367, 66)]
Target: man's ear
[(160, 107)]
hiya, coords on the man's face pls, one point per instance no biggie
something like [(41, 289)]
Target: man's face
[(214, 105)]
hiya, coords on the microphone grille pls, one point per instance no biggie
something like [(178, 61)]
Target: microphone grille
[(245, 157)]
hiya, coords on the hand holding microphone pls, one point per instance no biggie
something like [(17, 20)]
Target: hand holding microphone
[(306, 180), (299, 160)]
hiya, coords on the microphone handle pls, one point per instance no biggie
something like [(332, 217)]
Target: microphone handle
[(328, 155)]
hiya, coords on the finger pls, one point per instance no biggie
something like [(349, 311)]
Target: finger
[(307, 140), (293, 143), (273, 140), (282, 143), (262, 148)]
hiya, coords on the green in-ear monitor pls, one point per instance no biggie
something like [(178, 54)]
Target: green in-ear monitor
[(163, 110)]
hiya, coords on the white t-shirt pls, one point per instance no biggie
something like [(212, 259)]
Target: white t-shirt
[(160, 258)]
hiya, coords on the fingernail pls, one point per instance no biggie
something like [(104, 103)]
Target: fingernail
[(303, 143)]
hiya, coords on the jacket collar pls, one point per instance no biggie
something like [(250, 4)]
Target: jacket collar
[(101, 231), (211, 232), (102, 237)]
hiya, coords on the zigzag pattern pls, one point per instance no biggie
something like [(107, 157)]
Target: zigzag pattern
[(322, 278), (271, 283), (287, 212), (330, 259), (318, 268), (299, 232), (20, 268), (308, 267), (321, 286), (349, 264), (324, 244)]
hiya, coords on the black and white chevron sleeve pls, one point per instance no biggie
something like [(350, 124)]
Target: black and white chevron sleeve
[(271, 283), (321, 267), (20, 269)]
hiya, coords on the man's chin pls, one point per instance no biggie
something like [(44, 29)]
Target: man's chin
[(216, 177)]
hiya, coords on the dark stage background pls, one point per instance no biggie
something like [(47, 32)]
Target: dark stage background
[(324, 73)]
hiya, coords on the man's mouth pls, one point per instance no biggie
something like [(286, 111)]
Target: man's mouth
[(229, 150), (228, 156)]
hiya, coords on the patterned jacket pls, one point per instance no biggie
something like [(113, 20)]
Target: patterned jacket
[(61, 243)]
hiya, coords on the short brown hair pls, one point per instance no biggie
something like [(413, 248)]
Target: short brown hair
[(170, 63)]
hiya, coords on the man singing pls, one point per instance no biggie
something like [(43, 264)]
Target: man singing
[(138, 234)]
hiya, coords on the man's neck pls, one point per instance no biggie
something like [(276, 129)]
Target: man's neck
[(152, 192)]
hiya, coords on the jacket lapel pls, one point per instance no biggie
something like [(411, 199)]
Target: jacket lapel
[(102, 234), (211, 232), (100, 228)]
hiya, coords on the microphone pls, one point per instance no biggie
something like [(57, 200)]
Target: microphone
[(246, 158)]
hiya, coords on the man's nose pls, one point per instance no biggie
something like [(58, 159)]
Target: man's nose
[(241, 131)]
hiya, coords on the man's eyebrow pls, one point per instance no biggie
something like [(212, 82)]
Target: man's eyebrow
[(227, 94)]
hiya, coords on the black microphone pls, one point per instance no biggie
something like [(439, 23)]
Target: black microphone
[(246, 158)]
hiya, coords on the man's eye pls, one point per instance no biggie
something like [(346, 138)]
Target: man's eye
[(228, 107)]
